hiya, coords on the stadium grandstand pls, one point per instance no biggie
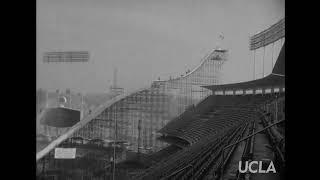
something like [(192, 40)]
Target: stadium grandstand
[(190, 127)]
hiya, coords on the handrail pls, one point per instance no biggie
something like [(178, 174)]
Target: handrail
[(202, 61), (249, 136), (254, 134), (177, 171)]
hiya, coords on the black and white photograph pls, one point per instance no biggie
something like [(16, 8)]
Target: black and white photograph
[(160, 90)]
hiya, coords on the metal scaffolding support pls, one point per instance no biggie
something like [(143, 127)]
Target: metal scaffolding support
[(154, 106), (254, 64)]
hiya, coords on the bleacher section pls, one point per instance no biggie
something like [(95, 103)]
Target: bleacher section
[(212, 122), (200, 155), (163, 153), (207, 133), (224, 111)]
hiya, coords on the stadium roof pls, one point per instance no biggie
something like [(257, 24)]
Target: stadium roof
[(275, 79)]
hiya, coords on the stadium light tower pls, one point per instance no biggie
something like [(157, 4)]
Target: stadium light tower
[(65, 56), (270, 36)]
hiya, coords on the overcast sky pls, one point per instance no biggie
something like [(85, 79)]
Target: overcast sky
[(145, 39)]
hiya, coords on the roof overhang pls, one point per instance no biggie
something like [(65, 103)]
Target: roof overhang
[(275, 79)]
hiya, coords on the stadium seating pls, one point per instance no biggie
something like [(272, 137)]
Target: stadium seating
[(206, 133), (226, 111)]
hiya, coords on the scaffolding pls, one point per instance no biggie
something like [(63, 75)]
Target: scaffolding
[(154, 107)]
